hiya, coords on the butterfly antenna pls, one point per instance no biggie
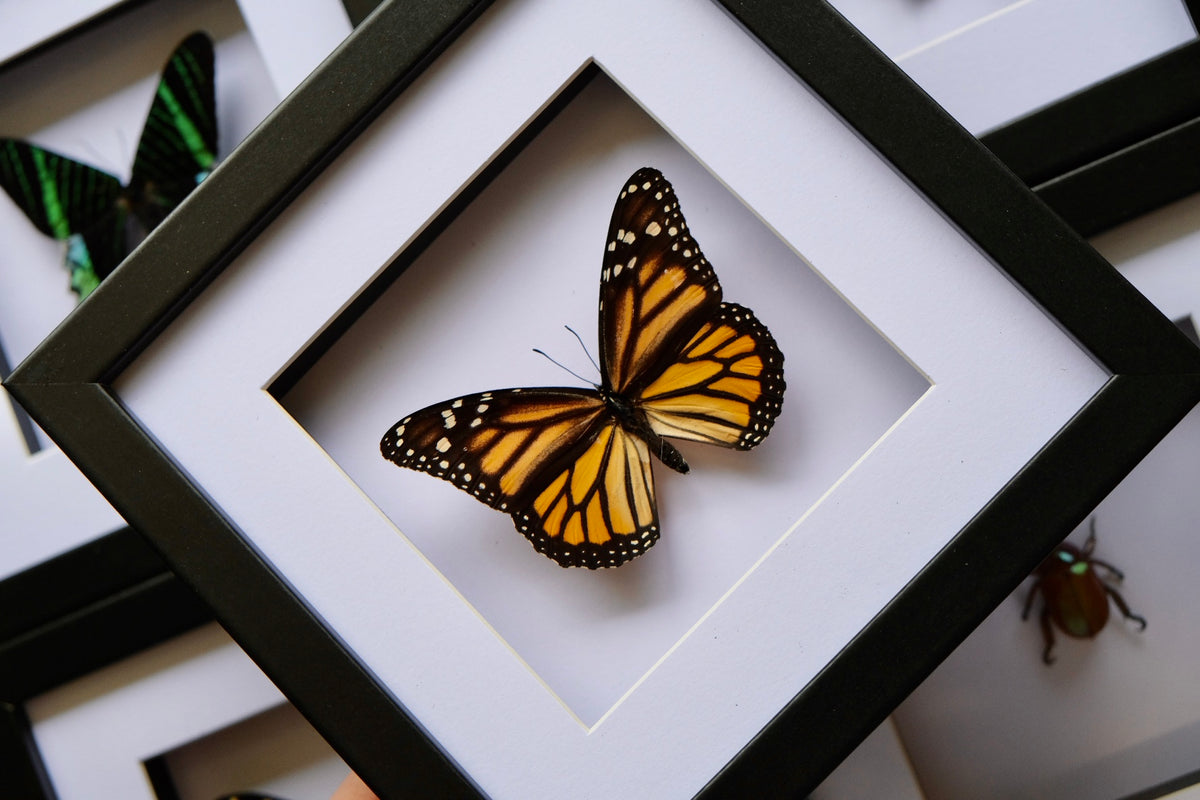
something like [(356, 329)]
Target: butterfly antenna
[(579, 339), (568, 369)]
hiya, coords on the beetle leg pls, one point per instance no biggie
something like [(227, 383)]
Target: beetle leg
[(1116, 573), (1029, 600), (1047, 636), (1121, 604), (1090, 544)]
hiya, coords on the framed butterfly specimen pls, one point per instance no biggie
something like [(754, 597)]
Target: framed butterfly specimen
[(98, 218), (573, 466), (778, 106)]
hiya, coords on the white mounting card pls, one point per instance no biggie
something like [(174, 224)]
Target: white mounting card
[(943, 380)]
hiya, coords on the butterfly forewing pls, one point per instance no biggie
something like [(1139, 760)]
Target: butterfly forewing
[(725, 388), (498, 446), (577, 485), (179, 141), (656, 287)]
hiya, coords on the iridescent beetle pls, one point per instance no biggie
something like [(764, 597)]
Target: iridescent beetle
[(1075, 596)]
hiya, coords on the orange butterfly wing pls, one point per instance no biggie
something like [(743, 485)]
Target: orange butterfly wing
[(656, 287), (724, 388), (572, 466), (576, 483), (696, 367), (495, 445)]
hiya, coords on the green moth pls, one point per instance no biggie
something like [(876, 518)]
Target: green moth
[(100, 220)]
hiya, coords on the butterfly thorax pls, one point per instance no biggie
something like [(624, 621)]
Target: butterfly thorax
[(145, 203), (634, 420)]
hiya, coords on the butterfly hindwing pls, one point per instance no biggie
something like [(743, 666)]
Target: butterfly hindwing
[(59, 195), (656, 287), (179, 141), (725, 388), (70, 201), (597, 509)]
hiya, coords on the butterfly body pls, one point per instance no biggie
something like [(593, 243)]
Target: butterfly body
[(629, 417), (100, 219), (573, 466)]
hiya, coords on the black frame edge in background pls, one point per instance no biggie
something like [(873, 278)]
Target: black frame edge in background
[(81, 578), (117, 9), (359, 10), (356, 12), (1117, 149), (24, 774), (1193, 9), (1103, 118), (69, 616), (1167, 788), (1156, 378), (1128, 184), (159, 775)]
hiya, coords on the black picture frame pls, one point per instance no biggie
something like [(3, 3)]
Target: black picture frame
[(71, 615), (1193, 9), (1167, 788), (356, 11), (1155, 381), (1115, 150)]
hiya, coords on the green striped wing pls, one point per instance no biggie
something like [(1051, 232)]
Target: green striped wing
[(89, 209), (70, 201), (179, 141)]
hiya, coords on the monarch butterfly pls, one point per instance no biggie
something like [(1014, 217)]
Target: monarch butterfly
[(572, 466), (98, 218)]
